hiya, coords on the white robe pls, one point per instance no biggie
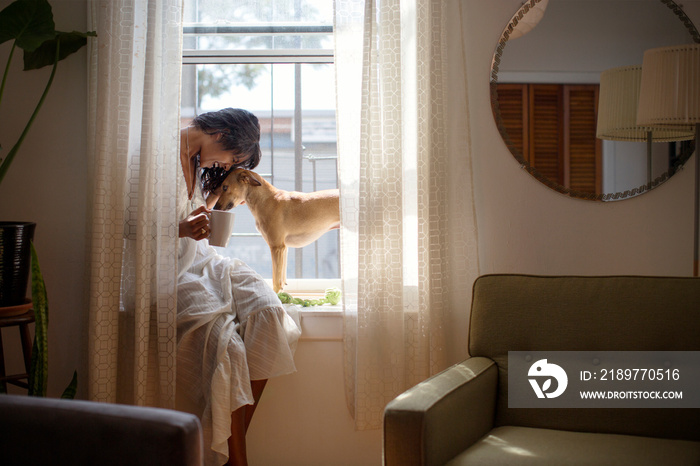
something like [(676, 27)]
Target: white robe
[(232, 329)]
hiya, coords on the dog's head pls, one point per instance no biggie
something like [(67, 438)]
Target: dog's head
[(233, 190)]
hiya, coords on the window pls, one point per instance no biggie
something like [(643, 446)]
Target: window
[(275, 59)]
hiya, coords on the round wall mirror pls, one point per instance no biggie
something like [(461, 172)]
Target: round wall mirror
[(550, 104)]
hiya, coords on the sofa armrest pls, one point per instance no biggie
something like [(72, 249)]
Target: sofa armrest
[(55, 431), (434, 421)]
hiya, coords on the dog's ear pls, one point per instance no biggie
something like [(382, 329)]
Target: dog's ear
[(253, 180), (249, 178)]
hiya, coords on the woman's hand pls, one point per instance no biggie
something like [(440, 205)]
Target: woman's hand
[(196, 225)]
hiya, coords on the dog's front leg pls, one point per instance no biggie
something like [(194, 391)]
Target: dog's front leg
[(279, 267), (285, 256)]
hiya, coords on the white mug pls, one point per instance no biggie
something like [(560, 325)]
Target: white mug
[(221, 227)]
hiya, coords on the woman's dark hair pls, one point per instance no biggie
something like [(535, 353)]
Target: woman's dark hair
[(240, 134)]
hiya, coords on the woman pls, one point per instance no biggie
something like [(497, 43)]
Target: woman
[(233, 333)]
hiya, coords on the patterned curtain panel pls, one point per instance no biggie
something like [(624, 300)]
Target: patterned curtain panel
[(408, 239), (133, 135)]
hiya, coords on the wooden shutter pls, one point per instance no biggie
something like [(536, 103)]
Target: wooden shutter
[(553, 126), (513, 105), (584, 150), (546, 128)]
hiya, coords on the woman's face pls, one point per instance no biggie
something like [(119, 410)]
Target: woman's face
[(213, 155)]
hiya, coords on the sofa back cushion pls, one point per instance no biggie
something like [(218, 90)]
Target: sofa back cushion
[(52, 431), (577, 313)]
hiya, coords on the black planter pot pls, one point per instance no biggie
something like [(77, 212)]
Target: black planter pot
[(15, 261)]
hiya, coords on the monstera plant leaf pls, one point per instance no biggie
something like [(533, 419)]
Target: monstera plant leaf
[(28, 22), (30, 25), (64, 43)]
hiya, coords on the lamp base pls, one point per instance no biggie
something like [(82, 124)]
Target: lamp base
[(696, 227)]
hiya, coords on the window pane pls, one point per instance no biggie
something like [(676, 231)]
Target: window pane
[(255, 25), (256, 11), (295, 104)]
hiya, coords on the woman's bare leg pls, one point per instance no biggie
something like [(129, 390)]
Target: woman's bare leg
[(240, 421), (258, 386), (236, 442)]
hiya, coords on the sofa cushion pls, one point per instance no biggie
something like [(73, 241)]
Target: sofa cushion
[(570, 313), (509, 445)]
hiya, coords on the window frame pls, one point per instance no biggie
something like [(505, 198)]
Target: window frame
[(305, 286)]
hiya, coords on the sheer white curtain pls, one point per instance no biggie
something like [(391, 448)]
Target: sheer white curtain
[(133, 136), (409, 230)]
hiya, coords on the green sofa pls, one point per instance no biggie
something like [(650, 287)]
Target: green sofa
[(461, 416)]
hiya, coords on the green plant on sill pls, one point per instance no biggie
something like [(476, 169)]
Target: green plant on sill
[(332, 297), (30, 24), (39, 365)]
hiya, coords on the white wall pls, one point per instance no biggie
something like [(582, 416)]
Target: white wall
[(303, 419), (523, 227)]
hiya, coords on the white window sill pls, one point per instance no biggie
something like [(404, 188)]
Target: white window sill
[(326, 310), (321, 323)]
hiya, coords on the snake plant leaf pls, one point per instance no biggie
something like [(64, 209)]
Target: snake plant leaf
[(45, 55), (39, 366), (72, 388), (28, 22)]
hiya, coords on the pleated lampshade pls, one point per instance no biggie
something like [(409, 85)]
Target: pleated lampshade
[(617, 110), (670, 87)]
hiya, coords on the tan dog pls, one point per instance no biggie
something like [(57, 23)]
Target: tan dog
[(284, 218)]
